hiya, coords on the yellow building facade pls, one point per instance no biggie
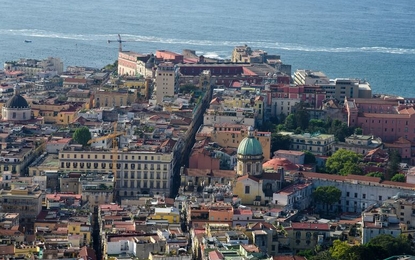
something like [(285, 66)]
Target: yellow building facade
[(231, 135), (171, 215), (113, 98), (60, 114), (142, 86), (83, 230), (137, 171)]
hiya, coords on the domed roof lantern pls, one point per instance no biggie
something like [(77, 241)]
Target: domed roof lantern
[(250, 146)]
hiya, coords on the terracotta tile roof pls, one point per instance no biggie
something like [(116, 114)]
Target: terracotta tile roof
[(7, 250), (280, 162), (399, 184), (251, 248), (248, 177), (262, 225), (215, 255), (309, 226)]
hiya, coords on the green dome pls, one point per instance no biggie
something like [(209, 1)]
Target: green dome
[(250, 146)]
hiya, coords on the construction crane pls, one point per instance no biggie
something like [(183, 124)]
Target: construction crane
[(114, 152), (120, 41)]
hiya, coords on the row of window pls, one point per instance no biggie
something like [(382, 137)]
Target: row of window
[(145, 184), (125, 157), (143, 175), (125, 166), (363, 195)]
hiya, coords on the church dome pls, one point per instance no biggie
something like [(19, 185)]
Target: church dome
[(250, 146), (17, 101)]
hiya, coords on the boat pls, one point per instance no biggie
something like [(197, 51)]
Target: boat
[(27, 41)]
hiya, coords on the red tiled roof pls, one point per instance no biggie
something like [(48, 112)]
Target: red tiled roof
[(280, 162), (215, 255), (310, 226), (248, 177)]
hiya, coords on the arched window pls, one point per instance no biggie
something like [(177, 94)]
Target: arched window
[(248, 167)]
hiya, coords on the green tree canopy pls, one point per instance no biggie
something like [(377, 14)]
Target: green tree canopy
[(326, 195), (358, 131), (393, 246), (82, 135), (309, 157), (339, 249), (393, 164), (376, 174), (280, 142), (344, 162), (399, 177)]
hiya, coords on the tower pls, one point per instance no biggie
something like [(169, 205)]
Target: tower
[(249, 155)]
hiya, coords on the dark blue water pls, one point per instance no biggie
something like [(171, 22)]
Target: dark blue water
[(373, 40)]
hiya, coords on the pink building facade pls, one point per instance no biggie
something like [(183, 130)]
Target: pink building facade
[(391, 120)]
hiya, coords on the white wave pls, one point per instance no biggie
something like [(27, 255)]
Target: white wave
[(173, 41)]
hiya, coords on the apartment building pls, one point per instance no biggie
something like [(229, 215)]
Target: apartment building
[(318, 144), (360, 144), (16, 160), (113, 97), (135, 64), (282, 98), (34, 67), (310, 77), (24, 200), (165, 81), (138, 171), (388, 119)]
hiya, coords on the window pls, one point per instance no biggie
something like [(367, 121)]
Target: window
[(364, 196), (347, 194), (247, 189), (380, 197), (355, 194)]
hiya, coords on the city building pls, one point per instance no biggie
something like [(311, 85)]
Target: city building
[(16, 108), (144, 171), (135, 64), (310, 77), (230, 135), (388, 119), (316, 143), (254, 186), (34, 67), (106, 97), (165, 81), (360, 144), (26, 200)]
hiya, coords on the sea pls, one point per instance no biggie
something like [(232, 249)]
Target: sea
[(371, 39)]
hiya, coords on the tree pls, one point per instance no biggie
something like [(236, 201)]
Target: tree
[(343, 162), (393, 164), (393, 246), (339, 249), (350, 168), (290, 122), (358, 131), (399, 177), (280, 142), (82, 135), (327, 195), (309, 157), (376, 174)]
